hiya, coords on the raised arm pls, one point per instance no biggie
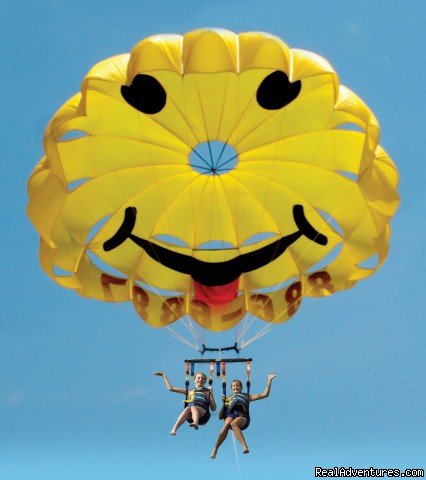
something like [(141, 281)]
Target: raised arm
[(168, 385), (265, 393)]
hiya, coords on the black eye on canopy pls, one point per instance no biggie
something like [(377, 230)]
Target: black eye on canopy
[(276, 91), (146, 94)]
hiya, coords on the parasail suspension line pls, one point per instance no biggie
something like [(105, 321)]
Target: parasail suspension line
[(180, 338), (266, 329)]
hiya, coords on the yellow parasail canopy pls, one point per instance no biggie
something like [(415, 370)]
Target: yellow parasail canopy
[(212, 174)]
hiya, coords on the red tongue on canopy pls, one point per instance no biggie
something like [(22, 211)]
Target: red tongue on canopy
[(218, 294)]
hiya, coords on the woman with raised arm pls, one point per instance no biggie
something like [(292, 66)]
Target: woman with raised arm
[(236, 413), (198, 404)]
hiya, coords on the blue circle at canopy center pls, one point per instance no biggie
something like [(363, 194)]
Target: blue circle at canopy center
[(213, 158)]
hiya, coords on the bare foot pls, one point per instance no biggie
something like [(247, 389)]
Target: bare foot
[(213, 454), (173, 433), (194, 425), (246, 450)]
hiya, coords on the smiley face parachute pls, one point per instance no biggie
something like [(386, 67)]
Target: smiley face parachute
[(219, 175)]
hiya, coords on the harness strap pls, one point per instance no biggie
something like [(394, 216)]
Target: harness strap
[(223, 364), (211, 374), (186, 380), (248, 371)]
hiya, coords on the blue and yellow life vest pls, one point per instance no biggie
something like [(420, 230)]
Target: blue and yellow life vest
[(199, 397), (238, 402)]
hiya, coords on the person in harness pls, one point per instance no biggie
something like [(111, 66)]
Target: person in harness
[(235, 413), (197, 404)]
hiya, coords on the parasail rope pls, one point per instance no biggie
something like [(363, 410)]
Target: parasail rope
[(245, 328), (237, 462), (266, 329), (180, 338), (189, 324), (236, 338)]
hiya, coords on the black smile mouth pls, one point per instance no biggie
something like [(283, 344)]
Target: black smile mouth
[(218, 273)]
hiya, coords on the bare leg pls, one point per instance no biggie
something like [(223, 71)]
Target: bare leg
[(195, 414), (222, 435), (181, 419), (236, 426)]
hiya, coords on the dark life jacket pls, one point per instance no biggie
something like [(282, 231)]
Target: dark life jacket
[(238, 402), (199, 397)]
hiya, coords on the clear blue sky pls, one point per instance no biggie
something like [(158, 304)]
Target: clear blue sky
[(77, 397)]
